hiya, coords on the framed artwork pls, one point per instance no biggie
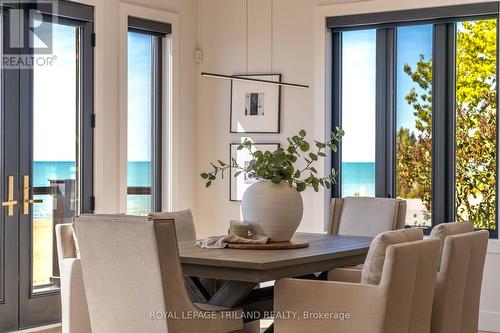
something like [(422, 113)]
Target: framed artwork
[(238, 185), (256, 107)]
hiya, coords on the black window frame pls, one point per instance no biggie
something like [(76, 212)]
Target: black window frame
[(157, 31), (444, 20)]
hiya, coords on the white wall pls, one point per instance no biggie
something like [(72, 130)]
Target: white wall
[(221, 36), (300, 55), (489, 317)]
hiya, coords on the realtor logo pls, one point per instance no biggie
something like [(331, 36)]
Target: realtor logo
[(27, 31), (27, 28)]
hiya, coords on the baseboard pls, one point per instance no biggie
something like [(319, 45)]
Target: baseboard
[(54, 328), (489, 321)]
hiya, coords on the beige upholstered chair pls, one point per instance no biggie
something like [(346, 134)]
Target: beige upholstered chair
[(132, 275), (363, 216), (458, 285), (371, 271), (184, 224), (185, 231), (402, 302), (443, 230), (75, 316)]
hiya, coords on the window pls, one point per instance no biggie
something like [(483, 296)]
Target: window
[(414, 121), (435, 114), (144, 135), (358, 114), (476, 122)]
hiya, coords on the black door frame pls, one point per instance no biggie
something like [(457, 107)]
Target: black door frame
[(20, 307)]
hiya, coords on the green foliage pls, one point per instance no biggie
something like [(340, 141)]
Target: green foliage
[(475, 128), (282, 164), (476, 123)]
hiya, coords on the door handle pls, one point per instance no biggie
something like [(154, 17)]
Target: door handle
[(27, 201), (10, 203)]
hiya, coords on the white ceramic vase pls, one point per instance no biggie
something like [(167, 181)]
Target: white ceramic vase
[(273, 210)]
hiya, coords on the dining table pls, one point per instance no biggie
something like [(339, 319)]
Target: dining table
[(240, 273)]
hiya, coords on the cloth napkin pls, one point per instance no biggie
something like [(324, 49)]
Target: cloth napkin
[(220, 242)]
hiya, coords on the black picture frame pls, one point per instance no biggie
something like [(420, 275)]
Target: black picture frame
[(278, 78), (231, 177)]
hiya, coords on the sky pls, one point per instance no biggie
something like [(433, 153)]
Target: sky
[(55, 99), (139, 97), (358, 94), (54, 103), (412, 41)]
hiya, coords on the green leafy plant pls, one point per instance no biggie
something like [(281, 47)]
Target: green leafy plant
[(282, 165)]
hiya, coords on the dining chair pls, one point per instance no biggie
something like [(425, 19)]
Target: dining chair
[(366, 216), (134, 281), (458, 285), (186, 232), (371, 271), (363, 216), (402, 302), (443, 230), (75, 315), (184, 223)]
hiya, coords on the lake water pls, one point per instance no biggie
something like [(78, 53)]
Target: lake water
[(139, 175), (357, 179), (42, 172)]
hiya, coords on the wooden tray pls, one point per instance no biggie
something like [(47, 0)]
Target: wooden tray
[(269, 246)]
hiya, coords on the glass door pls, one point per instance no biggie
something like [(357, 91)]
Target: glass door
[(52, 151), (49, 164)]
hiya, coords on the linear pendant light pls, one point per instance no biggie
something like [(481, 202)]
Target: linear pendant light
[(242, 78), (247, 79)]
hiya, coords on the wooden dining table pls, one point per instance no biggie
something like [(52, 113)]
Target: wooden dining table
[(239, 272)]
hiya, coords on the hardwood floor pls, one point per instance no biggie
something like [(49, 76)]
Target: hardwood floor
[(57, 329)]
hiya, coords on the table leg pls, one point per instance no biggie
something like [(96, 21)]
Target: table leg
[(260, 301), (236, 293), (231, 294), (194, 291)]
